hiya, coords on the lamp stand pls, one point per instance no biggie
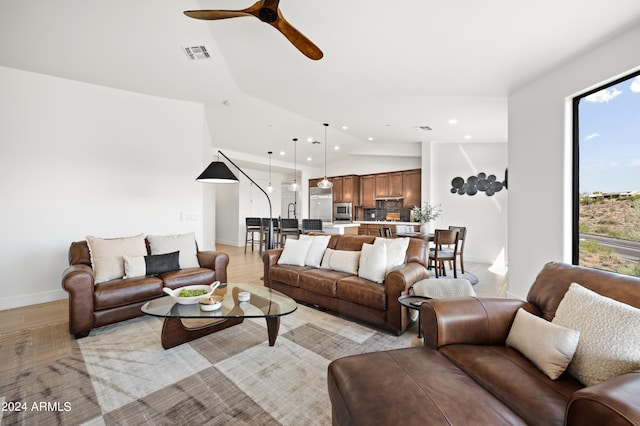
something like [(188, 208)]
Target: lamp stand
[(270, 237)]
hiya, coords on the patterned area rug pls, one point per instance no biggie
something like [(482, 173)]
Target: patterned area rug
[(121, 375)]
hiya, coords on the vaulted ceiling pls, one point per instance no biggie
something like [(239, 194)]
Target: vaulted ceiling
[(390, 69)]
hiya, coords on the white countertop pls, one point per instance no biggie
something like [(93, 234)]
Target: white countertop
[(339, 224), (386, 222)]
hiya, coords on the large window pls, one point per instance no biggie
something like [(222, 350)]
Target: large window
[(607, 177)]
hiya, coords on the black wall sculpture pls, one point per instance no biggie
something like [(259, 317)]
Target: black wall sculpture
[(487, 184)]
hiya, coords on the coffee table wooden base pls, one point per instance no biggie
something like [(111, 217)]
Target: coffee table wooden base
[(175, 333)]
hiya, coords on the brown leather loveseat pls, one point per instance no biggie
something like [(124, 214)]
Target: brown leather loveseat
[(94, 305), (348, 294), (466, 374)]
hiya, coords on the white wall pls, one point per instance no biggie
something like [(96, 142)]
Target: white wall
[(485, 217), (540, 157), (79, 159)]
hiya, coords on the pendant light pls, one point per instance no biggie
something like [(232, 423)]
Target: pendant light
[(270, 187), (325, 183), (294, 186)]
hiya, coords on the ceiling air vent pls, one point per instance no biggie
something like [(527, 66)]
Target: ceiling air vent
[(196, 53), (423, 128)]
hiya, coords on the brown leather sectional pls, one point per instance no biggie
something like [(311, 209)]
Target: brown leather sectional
[(465, 374), (92, 306), (348, 294)]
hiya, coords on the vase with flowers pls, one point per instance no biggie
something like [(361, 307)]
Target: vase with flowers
[(426, 214)]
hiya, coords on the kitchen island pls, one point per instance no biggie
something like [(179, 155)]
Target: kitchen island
[(373, 227), (340, 228)]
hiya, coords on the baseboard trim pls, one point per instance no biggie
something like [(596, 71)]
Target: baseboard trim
[(32, 299)]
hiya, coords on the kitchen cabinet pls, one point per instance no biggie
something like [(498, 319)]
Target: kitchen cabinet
[(395, 184), (382, 185), (337, 189), (368, 191), (351, 189), (411, 187), (314, 183)]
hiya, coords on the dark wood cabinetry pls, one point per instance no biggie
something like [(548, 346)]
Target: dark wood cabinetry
[(411, 187), (363, 190), (368, 191), (395, 184)]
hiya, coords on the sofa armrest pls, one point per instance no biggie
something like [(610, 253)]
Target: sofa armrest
[(399, 280), (270, 258), (215, 260), (468, 320), (613, 402), (78, 281)]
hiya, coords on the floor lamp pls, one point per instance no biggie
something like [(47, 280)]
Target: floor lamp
[(218, 172)]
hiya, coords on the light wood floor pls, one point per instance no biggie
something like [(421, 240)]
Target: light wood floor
[(242, 268)]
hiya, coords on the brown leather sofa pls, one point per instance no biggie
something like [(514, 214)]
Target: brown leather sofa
[(348, 294), (465, 374), (92, 306)]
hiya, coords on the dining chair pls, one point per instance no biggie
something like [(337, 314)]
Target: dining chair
[(288, 228), (445, 249), (462, 237), (252, 225)]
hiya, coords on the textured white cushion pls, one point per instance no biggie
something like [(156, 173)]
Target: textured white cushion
[(184, 243), (549, 346), (609, 334), (396, 250), (295, 252), (345, 261), (316, 251), (134, 266), (106, 255), (373, 262), (443, 287), (326, 259)]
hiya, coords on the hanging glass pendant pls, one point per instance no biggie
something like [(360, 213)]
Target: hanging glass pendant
[(325, 183)]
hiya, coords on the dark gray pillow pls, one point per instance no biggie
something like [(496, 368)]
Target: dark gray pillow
[(160, 263)]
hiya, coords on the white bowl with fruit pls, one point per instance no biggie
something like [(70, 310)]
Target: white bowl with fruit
[(190, 294)]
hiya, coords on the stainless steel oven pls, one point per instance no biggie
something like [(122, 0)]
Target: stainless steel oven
[(342, 211)]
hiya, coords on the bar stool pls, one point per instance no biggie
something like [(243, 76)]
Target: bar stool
[(288, 228), (252, 225), (311, 225)]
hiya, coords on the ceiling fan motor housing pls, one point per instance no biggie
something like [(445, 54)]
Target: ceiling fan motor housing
[(267, 15)]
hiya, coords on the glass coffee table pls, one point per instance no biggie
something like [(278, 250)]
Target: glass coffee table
[(184, 323)]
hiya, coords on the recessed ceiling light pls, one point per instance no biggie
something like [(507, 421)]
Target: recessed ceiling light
[(336, 148), (370, 138), (345, 127), (310, 139), (308, 158), (453, 121), (282, 152), (467, 136)]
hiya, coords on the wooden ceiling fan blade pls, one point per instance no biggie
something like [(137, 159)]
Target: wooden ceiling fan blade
[(299, 40), (212, 15)]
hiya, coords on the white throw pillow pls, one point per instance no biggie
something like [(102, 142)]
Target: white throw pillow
[(396, 250), (609, 334), (106, 255), (184, 243), (134, 266), (295, 252), (549, 346), (345, 261), (373, 262), (319, 244), (326, 259)]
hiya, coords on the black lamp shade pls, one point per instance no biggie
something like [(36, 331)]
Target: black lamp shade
[(217, 172)]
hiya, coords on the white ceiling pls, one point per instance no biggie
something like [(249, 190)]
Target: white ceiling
[(388, 67)]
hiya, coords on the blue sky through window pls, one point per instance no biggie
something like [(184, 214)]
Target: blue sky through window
[(610, 139)]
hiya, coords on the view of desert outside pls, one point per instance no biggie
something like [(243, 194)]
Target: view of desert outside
[(609, 176)]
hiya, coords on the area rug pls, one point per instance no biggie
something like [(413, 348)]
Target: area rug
[(121, 375)]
